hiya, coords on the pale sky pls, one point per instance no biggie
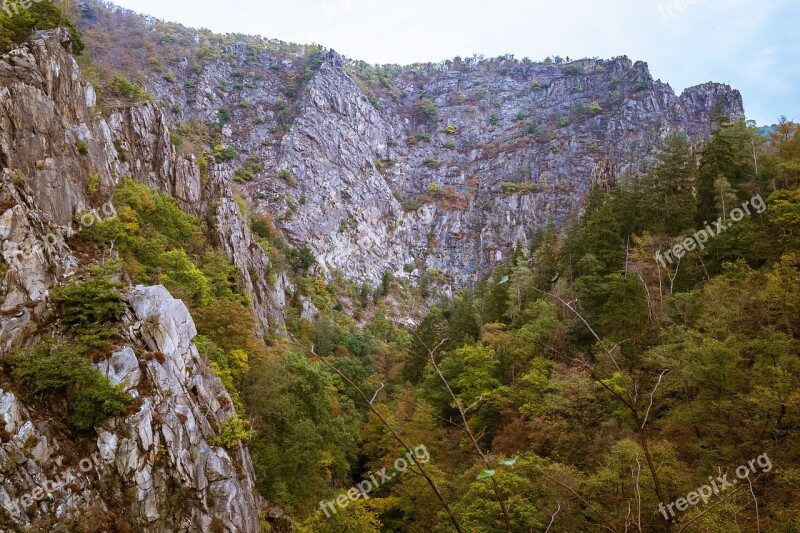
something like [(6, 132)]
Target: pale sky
[(749, 44)]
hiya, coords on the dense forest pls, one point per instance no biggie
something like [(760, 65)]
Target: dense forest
[(584, 381), (615, 367)]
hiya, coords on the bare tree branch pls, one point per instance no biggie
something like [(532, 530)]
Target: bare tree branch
[(372, 401), (660, 378), (462, 412), (553, 518), (386, 424), (586, 502)]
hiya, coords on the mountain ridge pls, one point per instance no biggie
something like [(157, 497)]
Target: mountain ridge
[(504, 148)]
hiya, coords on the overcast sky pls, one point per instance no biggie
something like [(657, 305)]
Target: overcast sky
[(750, 44)]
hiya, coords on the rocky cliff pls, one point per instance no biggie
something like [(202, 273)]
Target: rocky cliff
[(437, 170), (159, 467), (361, 168), (430, 172)]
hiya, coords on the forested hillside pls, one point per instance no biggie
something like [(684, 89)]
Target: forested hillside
[(630, 362), (596, 382)]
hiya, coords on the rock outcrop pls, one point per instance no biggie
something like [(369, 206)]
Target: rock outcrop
[(160, 466), (156, 469)]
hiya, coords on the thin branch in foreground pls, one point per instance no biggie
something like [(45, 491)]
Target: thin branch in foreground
[(553, 518), (470, 434), (586, 502), (386, 424)]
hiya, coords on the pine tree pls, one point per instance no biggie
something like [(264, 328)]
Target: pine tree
[(727, 156), (669, 199)]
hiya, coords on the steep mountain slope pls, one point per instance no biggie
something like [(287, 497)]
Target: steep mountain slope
[(428, 170), (60, 160), (431, 172)]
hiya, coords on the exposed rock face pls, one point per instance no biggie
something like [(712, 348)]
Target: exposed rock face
[(376, 183), (56, 141), (159, 467), (160, 464), (234, 236), (165, 448), (504, 159), (369, 179), (33, 257), (145, 151)]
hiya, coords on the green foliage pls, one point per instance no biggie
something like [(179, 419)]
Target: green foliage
[(46, 369), (224, 116), (93, 185), (182, 277), (223, 153), (121, 152), (65, 370), (307, 435), (302, 258), (508, 187), (478, 506), (287, 176), (574, 69), (122, 87), (18, 22), (662, 201), (594, 108), (233, 433), (728, 155), (422, 137), (160, 243), (83, 147), (429, 110), (784, 213), (249, 170), (90, 308), (91, 405), (357, 517)]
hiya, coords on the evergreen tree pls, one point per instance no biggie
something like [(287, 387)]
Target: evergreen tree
[(668, 196), (727, 156)]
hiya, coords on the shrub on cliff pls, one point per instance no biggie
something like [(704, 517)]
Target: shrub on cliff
[(430, 110), (122, 87), (90, 308), (64, 369), (17, 23)]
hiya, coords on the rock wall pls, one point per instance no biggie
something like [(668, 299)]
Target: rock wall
[(159, 468), (358, 170)]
